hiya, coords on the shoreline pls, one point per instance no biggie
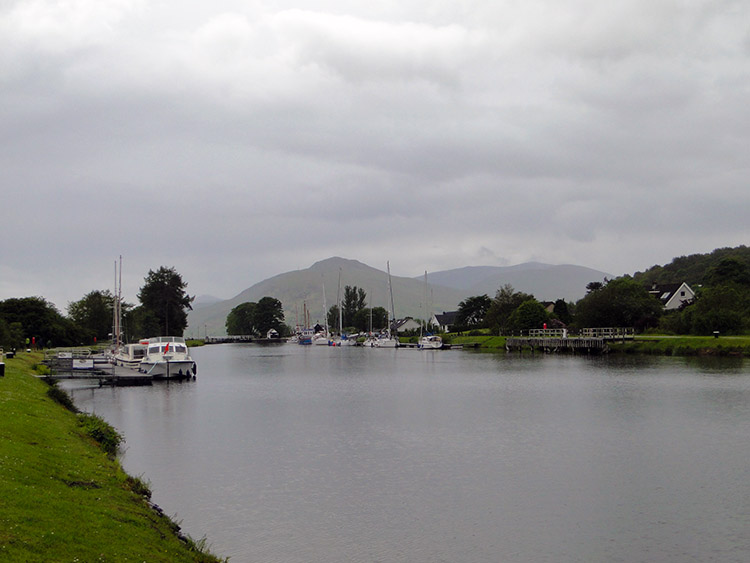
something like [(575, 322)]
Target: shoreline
[(734, 346), (66, 497)]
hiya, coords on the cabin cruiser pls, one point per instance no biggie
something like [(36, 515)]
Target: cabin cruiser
[(168, 357), (430, 342), (130, 355)]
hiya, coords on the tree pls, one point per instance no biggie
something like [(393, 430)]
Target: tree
[(472, 310), (505, 302), (728, 271), (269, 314), (561, 311), (361, 320), (163, 294), (355, 299), (622, 302), (36, 319), (528, 315), (93, 313), (241, 319)]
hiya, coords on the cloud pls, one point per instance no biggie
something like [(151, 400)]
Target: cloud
[(254, 138)]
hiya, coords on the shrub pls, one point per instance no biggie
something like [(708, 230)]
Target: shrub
[(102, 432)]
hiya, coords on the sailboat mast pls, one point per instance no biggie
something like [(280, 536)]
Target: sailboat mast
[(390, 290)]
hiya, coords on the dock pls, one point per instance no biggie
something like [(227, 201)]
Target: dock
[(578, 345), (81, 364)]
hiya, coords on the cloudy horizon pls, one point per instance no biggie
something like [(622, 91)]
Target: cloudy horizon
[(239, 140)]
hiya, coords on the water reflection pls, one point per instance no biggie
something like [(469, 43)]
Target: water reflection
[(292, 453)]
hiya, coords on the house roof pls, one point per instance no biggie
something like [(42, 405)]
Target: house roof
[(446, 319), (666, 291)]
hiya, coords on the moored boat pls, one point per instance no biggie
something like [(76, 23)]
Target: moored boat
[(168, 357), (430, 342), (130, 355)]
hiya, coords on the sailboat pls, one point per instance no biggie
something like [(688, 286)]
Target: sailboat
[(387, 340), (428, 341), (320, 338)]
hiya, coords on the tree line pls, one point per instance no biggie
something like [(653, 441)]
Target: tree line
[(162, 311), (721, 303)]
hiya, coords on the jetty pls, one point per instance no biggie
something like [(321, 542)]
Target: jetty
[(589, 341), (83, 364)]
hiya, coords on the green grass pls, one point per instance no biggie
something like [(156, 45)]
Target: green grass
[(62, 496), (686, 346), (651, 344)]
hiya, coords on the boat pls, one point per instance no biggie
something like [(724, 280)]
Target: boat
[(430, 342), (168, 357), (130, 355), (385, 339)]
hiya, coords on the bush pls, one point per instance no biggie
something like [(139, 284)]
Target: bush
[(60, 396), (102, 432)]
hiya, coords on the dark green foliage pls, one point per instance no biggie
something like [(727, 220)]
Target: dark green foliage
[(257, 318), (241, 319), (35, 318), (93, 313), (269, 315), (622, 302), (60, 396), (692, 269), (164, 296), (505, 302), (528, 315), (102, 432), (355, 299), (379, 319), (561, 312), (472, 311)]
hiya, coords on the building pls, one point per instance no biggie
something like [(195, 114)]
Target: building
[(406, 325), (672, 295), (444, 322)]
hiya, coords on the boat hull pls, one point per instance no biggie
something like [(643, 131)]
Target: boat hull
[(178, 369)]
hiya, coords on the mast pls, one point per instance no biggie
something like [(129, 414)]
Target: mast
[(390, 290), (338, 300)]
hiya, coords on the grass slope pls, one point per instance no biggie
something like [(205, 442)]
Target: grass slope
[(62, 498)]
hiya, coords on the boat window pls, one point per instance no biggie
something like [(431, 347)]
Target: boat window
[(180, 349), (153, 349)]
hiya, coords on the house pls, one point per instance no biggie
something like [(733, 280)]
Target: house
[(406, 325), (443, 322), (672, 295)]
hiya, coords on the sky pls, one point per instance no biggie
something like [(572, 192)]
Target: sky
[(237, 140)]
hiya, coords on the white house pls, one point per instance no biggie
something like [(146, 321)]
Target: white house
[(672, 295), (406, 325)]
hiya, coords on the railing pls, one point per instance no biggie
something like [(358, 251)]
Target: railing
[(548, 333), (609, 333)]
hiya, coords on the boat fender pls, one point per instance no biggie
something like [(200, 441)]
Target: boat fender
[(195, 369)]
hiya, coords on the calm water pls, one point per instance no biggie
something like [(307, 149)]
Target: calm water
[(310, 454)]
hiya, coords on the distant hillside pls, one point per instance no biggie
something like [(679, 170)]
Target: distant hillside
[(447, 289), (301, 288), (544, 281), (693, 268)]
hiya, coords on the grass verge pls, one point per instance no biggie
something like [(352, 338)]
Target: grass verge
[(63, 495)]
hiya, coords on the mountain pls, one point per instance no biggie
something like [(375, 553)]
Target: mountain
[(544, 281), (204, 301), (304, 288)]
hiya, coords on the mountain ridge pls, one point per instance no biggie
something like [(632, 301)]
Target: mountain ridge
[(317, 285)]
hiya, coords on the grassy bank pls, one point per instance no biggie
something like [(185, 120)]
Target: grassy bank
[(658, 345), (63, 496)]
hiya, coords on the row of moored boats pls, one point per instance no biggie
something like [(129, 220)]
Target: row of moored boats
[(161, 357)]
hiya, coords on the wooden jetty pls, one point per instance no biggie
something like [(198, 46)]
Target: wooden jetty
[(558, 345), (84, 365)]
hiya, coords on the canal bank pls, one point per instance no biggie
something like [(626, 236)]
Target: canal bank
[(646, 344), (64, 498)]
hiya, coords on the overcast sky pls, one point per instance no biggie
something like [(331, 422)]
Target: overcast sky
[(236, 140)]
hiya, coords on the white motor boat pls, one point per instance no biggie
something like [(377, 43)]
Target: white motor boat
[(130, 355), (430, 342), (168, 357)]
